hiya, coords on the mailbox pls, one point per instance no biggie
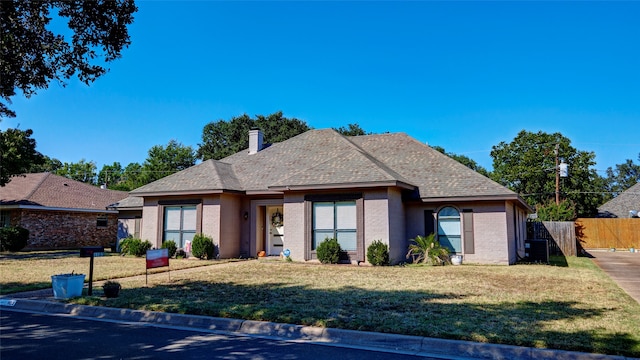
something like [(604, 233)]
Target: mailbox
[(88, 251)]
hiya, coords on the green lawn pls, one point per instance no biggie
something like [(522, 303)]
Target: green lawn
[(572, 307)]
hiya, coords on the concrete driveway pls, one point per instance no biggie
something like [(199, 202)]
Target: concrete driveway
[(623, 267)]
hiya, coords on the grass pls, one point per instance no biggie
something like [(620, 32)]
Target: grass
[(572, 307)]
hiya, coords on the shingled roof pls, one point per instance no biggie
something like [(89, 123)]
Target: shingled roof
[(54, 191), (321, 159), (621, 205)]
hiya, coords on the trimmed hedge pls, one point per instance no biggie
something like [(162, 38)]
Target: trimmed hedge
[(171, 245), (378, 253), (135, 247), (328, 251), (202, 247)]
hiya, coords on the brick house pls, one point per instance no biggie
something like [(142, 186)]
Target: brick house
[(290, 196), (59, 213)]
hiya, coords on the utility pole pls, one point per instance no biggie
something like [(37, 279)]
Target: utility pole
[(557, 176)]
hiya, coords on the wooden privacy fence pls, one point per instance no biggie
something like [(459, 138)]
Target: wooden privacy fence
[(560, 234), (604, 233)]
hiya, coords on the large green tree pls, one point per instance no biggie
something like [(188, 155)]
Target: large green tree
[(83, 171), (223, 138), (352, 130), (48, 165), (624, 176), (32, 55), (166, 160), (17, 153), (110, 175), (527, 166)]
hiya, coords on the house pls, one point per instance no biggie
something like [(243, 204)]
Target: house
[(59, 212), (625, 205), (294, 194)]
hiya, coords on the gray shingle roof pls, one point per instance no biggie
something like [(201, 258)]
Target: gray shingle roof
[(622, 204), (54, 191), (324, 158)]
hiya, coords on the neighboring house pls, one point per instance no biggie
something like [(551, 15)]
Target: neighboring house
[(129, 217), (625, 205), (59, 212), (294, 194)]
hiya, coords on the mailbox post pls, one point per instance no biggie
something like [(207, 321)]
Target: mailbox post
[(91, 251)]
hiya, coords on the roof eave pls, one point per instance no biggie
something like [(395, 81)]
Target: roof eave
[(181, 192), (501, 197), (53, 208), (399, 184)]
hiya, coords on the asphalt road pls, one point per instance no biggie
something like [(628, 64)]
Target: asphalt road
[(42, 336)]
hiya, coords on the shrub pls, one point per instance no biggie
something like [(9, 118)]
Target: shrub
[(378, 253), (135, 247), (428, 250), (202, 247), (13, 238), (328, 251), (181, 254), (171, 246)]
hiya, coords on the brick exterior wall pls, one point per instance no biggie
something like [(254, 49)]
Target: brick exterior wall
[(66, 229)]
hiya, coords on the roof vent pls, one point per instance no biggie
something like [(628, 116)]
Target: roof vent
[(255, 141)]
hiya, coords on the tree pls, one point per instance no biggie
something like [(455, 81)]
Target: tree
[(624, 176), (48, 165), (527, 166), (464, 160), (33, 56), (110, 175), (82, 171), (17, 153), (351, 130), (130, 179), (163, 161), (223, 138)]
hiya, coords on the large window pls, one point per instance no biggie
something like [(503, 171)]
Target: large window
[(180, 225), (449, 229), (335, 219)]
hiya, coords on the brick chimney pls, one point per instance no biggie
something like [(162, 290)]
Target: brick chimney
[(255, 141)]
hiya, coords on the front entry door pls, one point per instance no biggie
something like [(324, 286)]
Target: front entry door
[(275, 230)]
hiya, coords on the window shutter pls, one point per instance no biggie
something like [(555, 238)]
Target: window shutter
[(429, 224), (467, 221)]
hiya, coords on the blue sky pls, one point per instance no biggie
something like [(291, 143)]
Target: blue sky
[(461, 75)]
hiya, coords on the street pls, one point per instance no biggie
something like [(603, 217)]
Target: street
[(43, 336)]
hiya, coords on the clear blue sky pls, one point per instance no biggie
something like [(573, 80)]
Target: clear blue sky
[(461, 75)]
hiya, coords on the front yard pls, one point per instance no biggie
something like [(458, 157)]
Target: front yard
[(576, 307)]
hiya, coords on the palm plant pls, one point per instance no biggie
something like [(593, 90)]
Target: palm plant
[(425, 249)]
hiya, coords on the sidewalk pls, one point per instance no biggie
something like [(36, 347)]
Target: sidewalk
[(42, 301)]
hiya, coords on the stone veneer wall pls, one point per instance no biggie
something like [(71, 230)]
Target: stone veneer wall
[(67, 229)]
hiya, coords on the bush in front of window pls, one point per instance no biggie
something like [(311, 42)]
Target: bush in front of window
[(135, 247), (427, 250), (328, 251), (202, 247), (378, 253), (13, 238), (171, 246)]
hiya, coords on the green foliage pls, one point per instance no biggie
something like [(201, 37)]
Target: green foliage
[(351, 130), (48, 165), (135, 247), (623, 177), (527, 166), (223, 138), (464, 160), (328, 251), (428, 251), (13, 238), (565, 211), (202, 247), (171, 245), (82, 171), (33, 55), (378, 253), (17, 153), (163, 161), (110, 175)]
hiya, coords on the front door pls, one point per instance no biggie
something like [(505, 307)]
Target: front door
[(275, 230)]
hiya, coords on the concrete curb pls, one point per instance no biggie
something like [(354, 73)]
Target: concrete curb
[(451, 349)]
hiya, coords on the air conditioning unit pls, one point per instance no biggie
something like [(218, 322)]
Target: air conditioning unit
[(537, 251)]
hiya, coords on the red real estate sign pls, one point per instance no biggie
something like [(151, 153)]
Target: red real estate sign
[(157, 258)]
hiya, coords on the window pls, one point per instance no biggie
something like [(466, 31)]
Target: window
[(102, 222), (335, 219), (180, 225), (5, 218), (449, 229)]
